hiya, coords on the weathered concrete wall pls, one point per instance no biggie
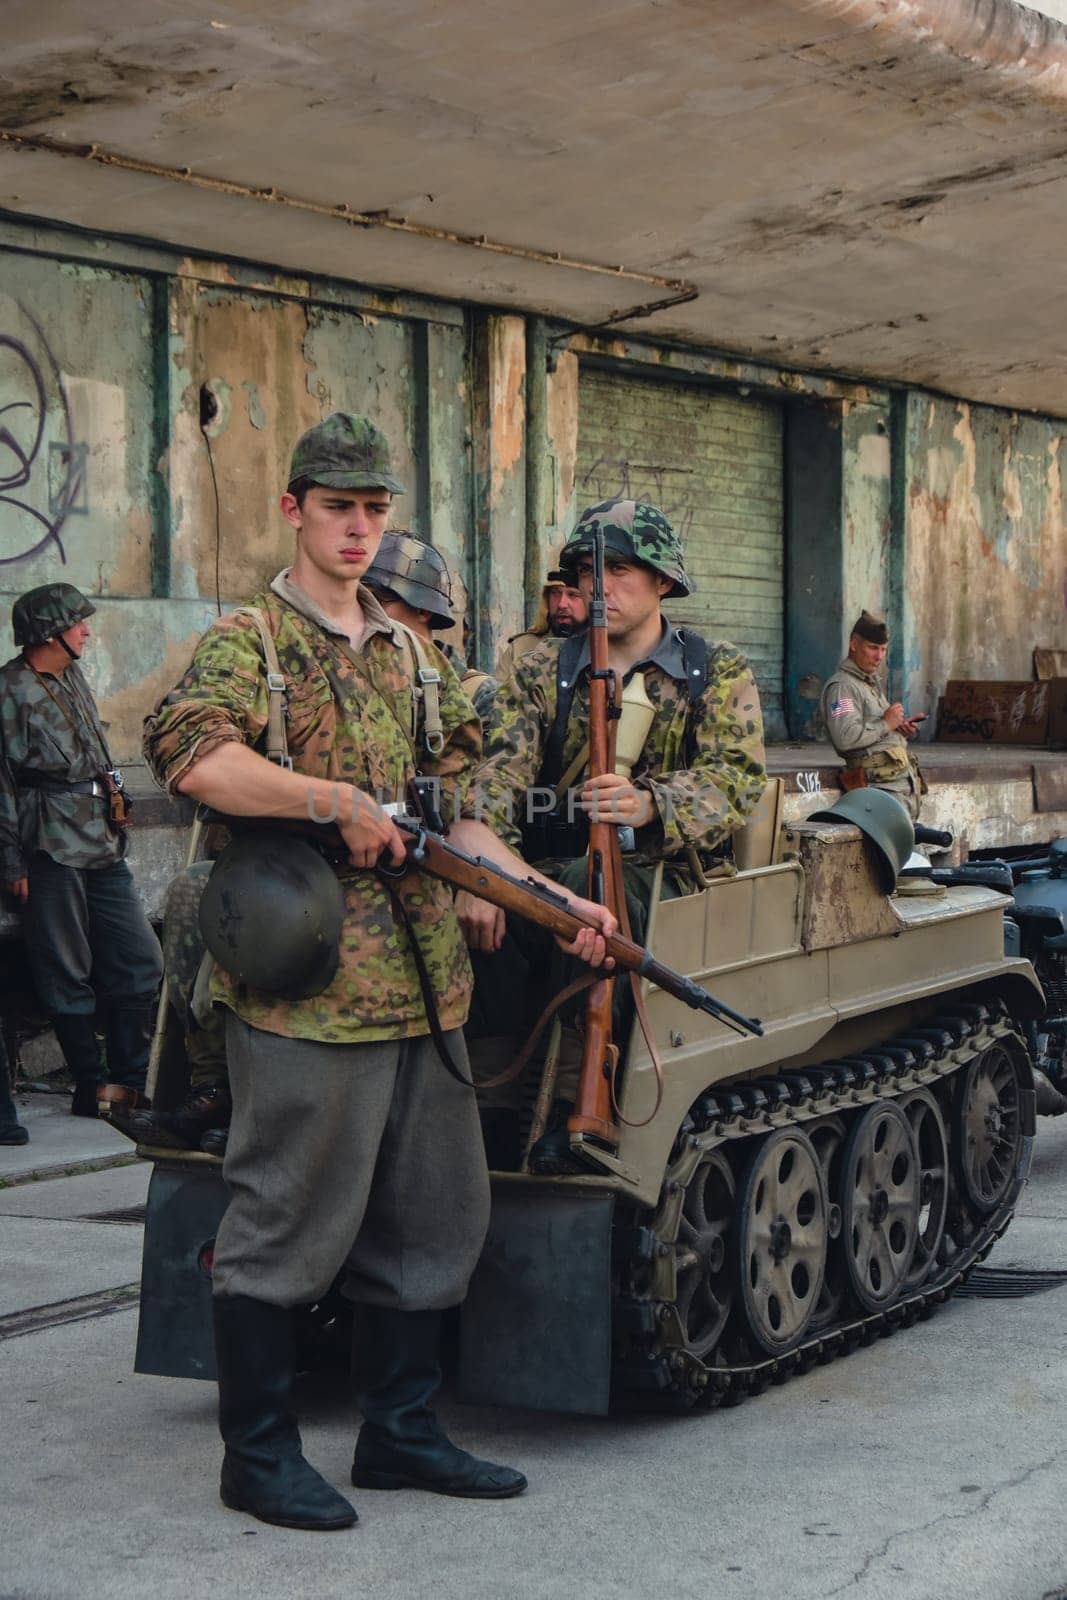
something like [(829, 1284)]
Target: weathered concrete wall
[(985, 541), (109, 481), (951, 517), (499, 446)]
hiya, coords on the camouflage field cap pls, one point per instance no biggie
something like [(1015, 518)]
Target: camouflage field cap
[(345, 452), (635, 531), (412, 569), (40, 614)]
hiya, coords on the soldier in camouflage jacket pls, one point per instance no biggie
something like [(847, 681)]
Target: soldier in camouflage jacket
[(88, 940), (351, 1152), (697, 776)]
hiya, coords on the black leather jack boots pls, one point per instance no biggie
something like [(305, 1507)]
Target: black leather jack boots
[(77, 1040), (264, 1471), (401, 1444)]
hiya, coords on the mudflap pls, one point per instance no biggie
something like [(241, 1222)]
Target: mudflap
[(174, 1336), (535, 1328)]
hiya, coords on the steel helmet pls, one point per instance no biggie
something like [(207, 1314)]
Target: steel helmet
[(271, 914), (40, 614), (886, 824), (413, 570), (636, 532)]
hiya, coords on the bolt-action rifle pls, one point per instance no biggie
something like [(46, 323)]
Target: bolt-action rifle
[(428, 851), (594, 1103)]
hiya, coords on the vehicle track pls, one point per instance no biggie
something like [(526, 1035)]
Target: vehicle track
[(685, 1333)]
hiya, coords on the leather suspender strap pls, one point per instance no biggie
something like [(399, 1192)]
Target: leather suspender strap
[(72, 725), (277, 743), (428, 680), (427, 690), (566, 679), (551, 776)]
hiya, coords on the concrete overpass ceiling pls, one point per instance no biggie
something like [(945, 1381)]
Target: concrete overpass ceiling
[(871, 187)]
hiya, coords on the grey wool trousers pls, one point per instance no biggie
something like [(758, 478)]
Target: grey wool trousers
[(363, 1158)]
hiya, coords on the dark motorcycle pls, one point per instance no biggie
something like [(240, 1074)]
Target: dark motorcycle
[(1035, 926)]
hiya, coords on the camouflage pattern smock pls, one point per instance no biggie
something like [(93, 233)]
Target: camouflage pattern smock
[(37, 740), (348, 719), (703, 764)]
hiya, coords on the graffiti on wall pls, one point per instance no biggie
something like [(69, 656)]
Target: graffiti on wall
[(42, 467)]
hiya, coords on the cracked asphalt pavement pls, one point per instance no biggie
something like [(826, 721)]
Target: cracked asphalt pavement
[(929, 1466)]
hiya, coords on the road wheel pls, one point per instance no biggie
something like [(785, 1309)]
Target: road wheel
[(781, 1239), (879, 1204)]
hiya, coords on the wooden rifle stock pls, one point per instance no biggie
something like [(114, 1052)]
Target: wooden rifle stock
[(431, 853), (525, 897), (593, 1111)]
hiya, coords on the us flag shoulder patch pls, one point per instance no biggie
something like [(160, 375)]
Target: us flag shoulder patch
[(841, 708)]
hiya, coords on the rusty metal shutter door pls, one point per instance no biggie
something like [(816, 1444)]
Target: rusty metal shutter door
[(713, 463)]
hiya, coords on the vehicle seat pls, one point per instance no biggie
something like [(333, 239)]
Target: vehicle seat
[(757, 844)]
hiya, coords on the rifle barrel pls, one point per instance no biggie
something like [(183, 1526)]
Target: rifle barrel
[(551, 910)]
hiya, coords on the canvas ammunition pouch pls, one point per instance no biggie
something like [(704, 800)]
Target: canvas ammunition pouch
[(561, 832)]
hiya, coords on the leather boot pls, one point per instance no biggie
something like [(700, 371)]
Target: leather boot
[(208, 1107), (77, 1040), (264, 1471), (401, 1444)]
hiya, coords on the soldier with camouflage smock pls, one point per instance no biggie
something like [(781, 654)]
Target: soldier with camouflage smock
[(690, 745), (863, 727), (412, 582), (351, 1149), (62, 849)]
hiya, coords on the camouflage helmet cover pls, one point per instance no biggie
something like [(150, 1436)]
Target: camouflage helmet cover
[(345, 452), (635, 531), (40, 614), (412, 569)]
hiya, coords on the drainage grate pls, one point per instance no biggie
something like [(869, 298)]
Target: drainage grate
[(1008, 1283), (132, 1214)]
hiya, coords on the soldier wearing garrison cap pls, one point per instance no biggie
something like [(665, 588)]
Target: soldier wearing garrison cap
[(63, 811), (863, 727), (352, 1153), (689, 766)]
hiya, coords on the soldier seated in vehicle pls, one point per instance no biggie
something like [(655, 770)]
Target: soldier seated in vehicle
[(563, 611), (870, 733), (412, 582), (689, 770)]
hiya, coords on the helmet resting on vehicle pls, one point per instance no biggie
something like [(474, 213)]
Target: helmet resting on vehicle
[(885, 822)]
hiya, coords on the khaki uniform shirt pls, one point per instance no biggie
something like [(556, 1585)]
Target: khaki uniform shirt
[(702, 763), (348, 717), (36, 737), (853, 707), (518, 646)]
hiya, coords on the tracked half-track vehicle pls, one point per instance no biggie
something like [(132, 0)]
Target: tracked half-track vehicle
[(794, 1195)]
